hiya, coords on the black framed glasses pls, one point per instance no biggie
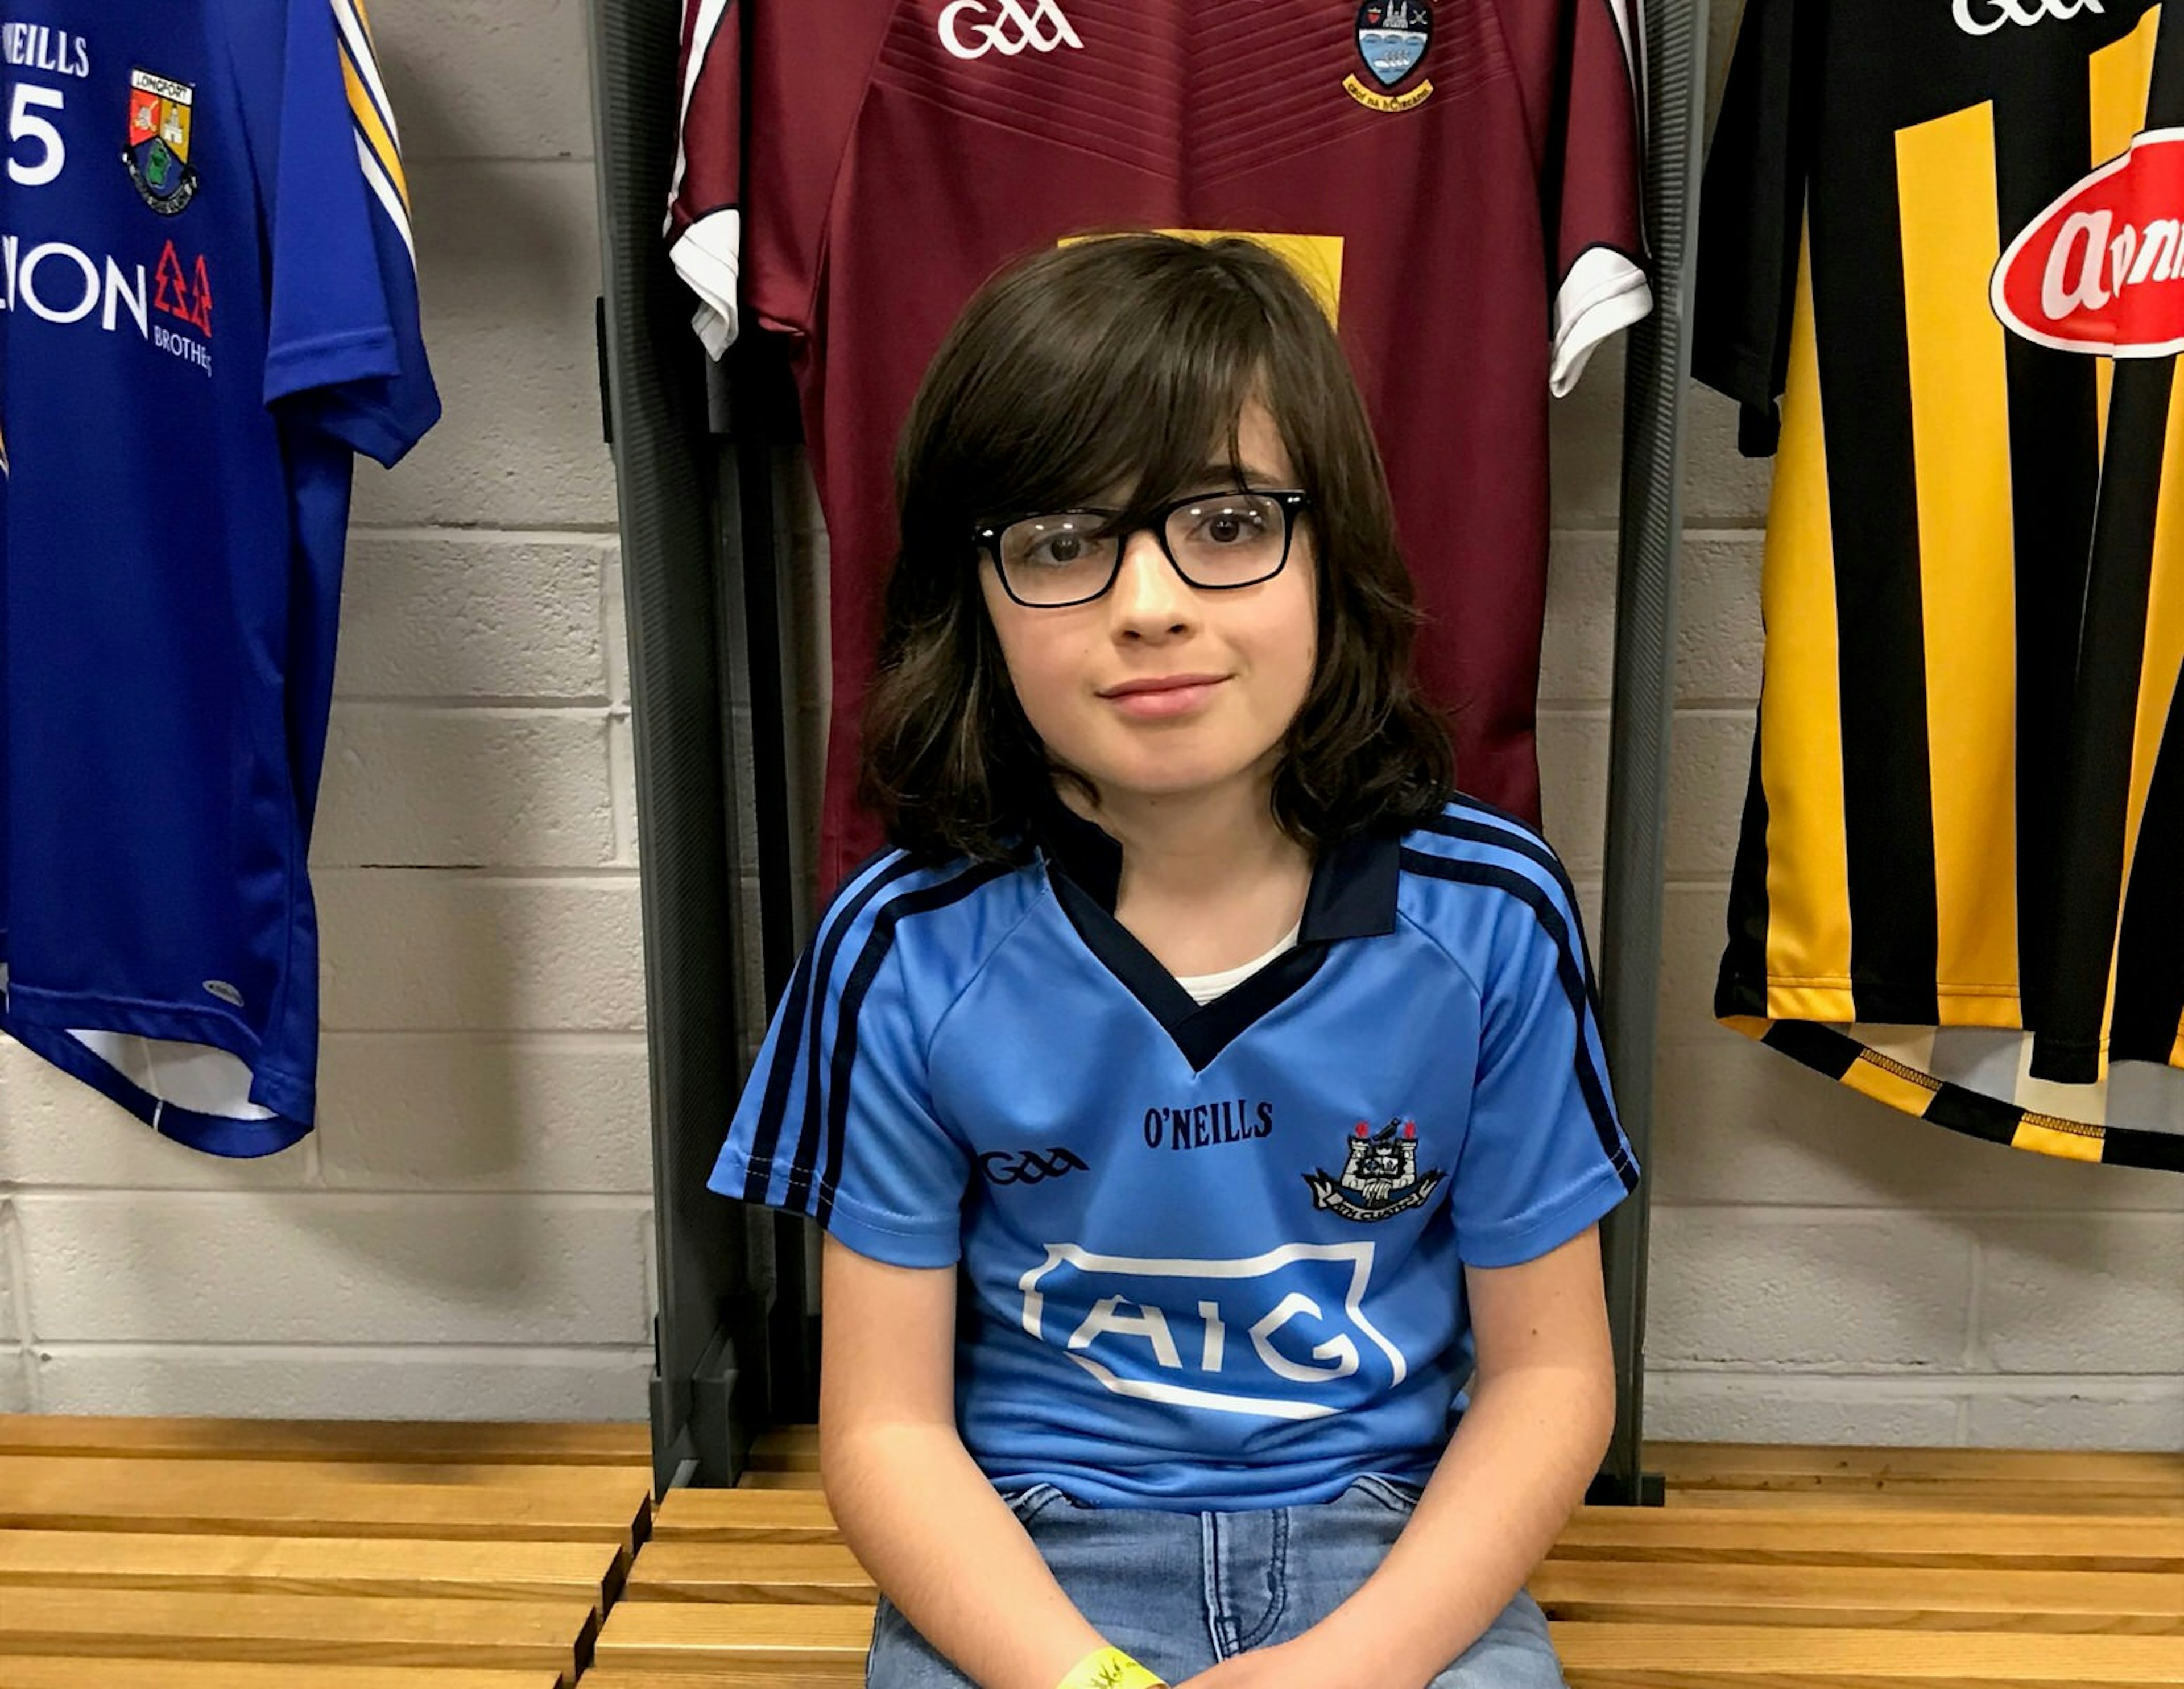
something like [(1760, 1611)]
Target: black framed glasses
[(1215, 541)]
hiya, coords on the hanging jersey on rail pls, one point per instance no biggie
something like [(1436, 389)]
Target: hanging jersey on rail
[(208, 302), (1947, 234), (1459, 183)]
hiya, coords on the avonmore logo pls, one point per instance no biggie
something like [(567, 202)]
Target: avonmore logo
[(1274, 1334), (2101, 270)]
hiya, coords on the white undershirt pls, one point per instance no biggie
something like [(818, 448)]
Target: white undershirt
[(1204, 988)]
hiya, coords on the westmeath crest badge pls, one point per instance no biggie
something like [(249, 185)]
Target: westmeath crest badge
[(1392, 38), (1380, 1177), (159, 151)]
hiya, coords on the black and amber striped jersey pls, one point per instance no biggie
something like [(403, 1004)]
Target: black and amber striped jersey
[(1941, 267)]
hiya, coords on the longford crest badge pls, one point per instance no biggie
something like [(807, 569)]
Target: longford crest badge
[(1380, 1176), (159, 151), (1392, 38)]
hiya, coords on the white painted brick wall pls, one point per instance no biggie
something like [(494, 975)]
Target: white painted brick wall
[(465, 1235)]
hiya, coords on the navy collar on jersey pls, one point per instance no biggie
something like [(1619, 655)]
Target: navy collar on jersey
[(1352, 896)]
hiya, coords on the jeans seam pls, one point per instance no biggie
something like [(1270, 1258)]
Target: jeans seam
[(1216, 1618), (1277, 1588)]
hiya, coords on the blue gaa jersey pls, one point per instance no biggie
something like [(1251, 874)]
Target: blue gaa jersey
[(1213, 1256), (208, 299)]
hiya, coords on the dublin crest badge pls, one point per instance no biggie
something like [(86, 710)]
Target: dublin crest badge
[(158, 151), (1380, 1176), (1392, 38)]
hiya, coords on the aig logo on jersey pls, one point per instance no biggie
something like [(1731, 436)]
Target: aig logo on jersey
[(159, 152), (1392, 38), (971, 29), (1380, 1177), (1271, 1335), (2099, 270)]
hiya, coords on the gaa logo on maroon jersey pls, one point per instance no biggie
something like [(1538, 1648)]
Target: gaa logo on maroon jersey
[(2101, 270)]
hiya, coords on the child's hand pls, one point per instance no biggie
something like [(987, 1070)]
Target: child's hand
[(1298, 1664)]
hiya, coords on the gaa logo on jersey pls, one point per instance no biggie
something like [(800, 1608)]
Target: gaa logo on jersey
[(2100, 270), (1392, 38), (159, 152), (1380, 1176)]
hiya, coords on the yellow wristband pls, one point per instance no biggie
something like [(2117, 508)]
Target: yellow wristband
[(1110, 1669)]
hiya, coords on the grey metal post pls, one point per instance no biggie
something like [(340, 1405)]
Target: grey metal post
[(1645, 687), (672, 515)]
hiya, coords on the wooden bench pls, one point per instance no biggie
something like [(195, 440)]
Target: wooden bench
[(219, 1554), (1769, 1569)]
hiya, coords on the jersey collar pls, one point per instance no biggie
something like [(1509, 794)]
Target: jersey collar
[(1352, 896)]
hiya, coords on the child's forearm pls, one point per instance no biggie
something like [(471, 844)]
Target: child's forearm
[(1522, 1455), (944, 1548)]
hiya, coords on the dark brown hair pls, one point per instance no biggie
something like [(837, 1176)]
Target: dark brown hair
[(1113, 362)]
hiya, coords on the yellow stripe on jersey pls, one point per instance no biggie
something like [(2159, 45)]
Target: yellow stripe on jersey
[(1315, 258), (2051, 1136), (373, 131), (1801, 753), (2120, 76), (1960, 433), (1890, 1082)]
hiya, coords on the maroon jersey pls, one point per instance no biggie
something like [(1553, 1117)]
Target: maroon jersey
[(1457, 179)]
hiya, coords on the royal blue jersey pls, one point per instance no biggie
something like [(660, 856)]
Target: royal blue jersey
[(1213, 1257), (209, 293)]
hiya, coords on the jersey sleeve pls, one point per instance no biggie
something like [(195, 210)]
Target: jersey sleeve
[(1544, 1156), (1752, 218), (1591, 163), (344, 347), (837, 1120), (705, 215)]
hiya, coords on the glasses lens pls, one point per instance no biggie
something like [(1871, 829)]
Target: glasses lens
[(1057, 559), (1228, 539)]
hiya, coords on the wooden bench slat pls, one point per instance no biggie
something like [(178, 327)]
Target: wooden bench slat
[(166, 1623), (305, 1565), (1958, 1495), (497, 1442), (34, 1671), (1689, 1462), (786, 1449), (2135, 1603), (1757, 1657), (1801, 1536), (748, 1572), (744, 1516), (757, 1479), (605, 1487), (842, 1672), (219, 1499), (683, 1634)]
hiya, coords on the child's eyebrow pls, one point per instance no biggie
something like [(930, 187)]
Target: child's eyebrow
[(1225, 474)]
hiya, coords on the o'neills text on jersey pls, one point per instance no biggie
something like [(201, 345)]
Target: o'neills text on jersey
[(1196, 1125), (39, 47)]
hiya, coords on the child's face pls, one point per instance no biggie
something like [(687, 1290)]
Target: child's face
[(1236, 664)]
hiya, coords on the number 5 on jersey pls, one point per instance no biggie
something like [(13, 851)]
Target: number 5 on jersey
[(25, 125)]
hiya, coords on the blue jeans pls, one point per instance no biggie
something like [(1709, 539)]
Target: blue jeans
[(1182, 1590)]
